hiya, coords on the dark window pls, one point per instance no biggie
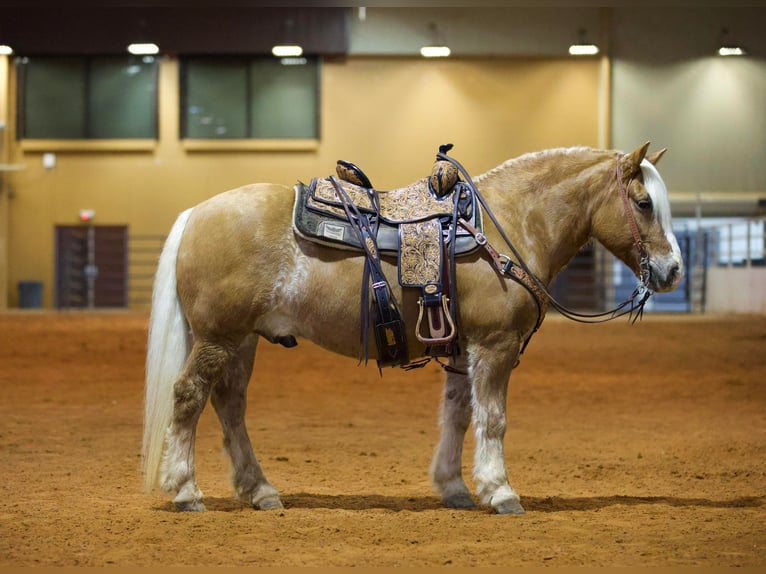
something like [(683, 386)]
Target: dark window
[(87, 97), (264, 98)]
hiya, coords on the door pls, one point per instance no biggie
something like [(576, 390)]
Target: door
[(91, 266)]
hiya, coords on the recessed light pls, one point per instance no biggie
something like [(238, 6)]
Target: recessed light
[(287, 51), (435, 51), (143, 49), (583, 49)]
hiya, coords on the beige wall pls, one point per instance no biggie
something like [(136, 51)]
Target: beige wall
[(386, 114), (672, 88), (748, 297)]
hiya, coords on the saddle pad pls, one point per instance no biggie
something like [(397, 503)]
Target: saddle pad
[(420, 253), (329, 227), (405, 205)]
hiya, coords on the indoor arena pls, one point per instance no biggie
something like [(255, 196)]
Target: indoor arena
[(503, 268)]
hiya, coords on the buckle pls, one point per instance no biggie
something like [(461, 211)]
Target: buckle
[(508, 265)]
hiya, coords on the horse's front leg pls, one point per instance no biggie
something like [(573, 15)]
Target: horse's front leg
[(446, 467), (490, 370)]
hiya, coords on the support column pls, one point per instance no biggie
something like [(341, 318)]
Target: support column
[(605, 81)]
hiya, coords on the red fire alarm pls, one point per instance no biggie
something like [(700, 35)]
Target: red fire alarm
[(87, 215)]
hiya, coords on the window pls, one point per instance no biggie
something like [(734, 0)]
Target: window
[(87, 97), (264, 98)]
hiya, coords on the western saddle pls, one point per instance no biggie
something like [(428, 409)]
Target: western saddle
[(425, 225)]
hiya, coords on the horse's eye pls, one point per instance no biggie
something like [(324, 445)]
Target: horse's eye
[(644, 204)]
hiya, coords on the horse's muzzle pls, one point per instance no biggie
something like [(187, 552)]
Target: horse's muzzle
[(665, 274)]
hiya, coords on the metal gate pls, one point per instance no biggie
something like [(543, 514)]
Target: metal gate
[(91, 266), (595, 280)]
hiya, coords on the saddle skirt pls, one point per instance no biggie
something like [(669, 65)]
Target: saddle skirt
[(319, 216)]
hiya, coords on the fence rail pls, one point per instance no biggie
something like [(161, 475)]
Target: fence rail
[(143, 255)]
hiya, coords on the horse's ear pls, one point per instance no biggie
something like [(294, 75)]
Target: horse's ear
[(631, 162), (654, 157)]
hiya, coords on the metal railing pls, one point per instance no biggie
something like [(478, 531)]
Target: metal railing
[(143, 255), (738, 243)]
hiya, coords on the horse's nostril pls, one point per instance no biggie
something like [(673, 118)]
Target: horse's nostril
[(674, 273)]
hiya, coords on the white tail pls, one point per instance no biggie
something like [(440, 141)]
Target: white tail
[(167, 350)]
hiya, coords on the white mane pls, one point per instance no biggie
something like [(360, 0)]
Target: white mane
[(529, 157)]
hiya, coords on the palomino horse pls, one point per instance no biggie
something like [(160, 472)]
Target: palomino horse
[(233, 270)]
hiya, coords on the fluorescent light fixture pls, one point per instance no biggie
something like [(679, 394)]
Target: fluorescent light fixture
[(435, 51), (5, 50), (730, 51), (143, 49), (287, 51), (583, 50)]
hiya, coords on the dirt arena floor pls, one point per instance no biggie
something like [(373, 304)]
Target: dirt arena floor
[(630, 445)]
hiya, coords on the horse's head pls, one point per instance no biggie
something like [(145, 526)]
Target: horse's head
[(634, 221)]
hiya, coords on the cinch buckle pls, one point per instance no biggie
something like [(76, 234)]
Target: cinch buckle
[(508, 263)]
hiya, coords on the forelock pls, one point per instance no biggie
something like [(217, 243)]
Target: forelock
[(658, 192)]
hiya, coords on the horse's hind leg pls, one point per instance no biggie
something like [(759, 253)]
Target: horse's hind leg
[(229, 399), (446, 468), (191, 391)]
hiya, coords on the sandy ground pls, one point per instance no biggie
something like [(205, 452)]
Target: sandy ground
[(629, 445)]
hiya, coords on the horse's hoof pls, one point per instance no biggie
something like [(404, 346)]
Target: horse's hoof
[(510, 506), (269, 503), (189, 505), (461, 500)]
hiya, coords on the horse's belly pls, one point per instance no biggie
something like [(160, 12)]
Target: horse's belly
[(321, 300)]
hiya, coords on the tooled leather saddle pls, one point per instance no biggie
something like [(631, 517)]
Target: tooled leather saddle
[(425, 225)]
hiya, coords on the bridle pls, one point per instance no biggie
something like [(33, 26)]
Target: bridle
[(520, 272), (643, 265)]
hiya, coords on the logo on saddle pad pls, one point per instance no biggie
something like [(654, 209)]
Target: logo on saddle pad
[(332, 231)]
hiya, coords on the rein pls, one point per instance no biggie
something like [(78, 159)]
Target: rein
[(516, 271)]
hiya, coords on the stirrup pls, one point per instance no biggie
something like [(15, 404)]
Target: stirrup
[(449, 336)]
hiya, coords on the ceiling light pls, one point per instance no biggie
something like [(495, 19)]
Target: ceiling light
[(730, 51), (5, 50), (143, 49), (287, 51), (583, 50), (584, 46), (435, 51), (728, 46)]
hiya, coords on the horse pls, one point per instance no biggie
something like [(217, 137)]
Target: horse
[(233, 271)]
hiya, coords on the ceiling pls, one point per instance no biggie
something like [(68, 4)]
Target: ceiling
[(67, 29)]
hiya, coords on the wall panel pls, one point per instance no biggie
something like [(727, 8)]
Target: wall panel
[(389, 115)]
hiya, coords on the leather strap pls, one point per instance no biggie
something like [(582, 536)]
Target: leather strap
[(392, 345), (638, 242)]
